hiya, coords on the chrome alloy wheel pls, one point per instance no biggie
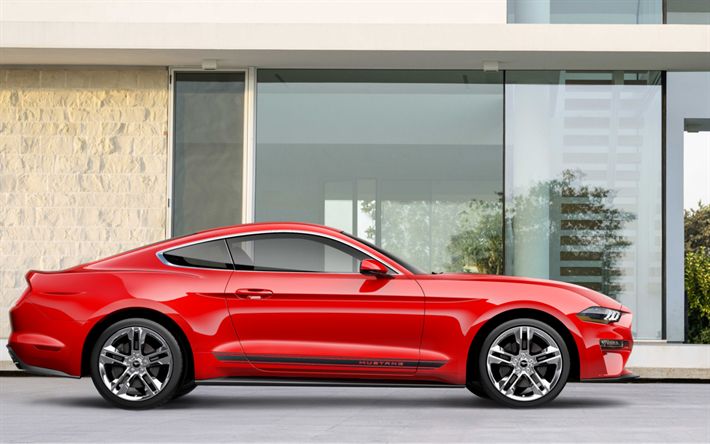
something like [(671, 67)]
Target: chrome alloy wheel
[(524, 363), (135, 363)]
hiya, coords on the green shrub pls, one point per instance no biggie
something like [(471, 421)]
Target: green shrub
[(697, 288), (697, 273)]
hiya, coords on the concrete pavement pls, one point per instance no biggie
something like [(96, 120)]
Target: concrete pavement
[(62, 410)]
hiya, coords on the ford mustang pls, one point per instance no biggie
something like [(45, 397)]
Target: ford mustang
[(302, 304)]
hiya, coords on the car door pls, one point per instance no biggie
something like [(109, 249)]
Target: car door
[(300, 306)]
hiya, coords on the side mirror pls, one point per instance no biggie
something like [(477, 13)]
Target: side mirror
[(373, 268)]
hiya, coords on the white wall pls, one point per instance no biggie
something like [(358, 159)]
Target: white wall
[(331, 33), (256, 11)]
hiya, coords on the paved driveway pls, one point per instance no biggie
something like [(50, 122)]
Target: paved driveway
[(48, 409)]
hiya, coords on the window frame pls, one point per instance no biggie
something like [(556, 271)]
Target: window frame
[(167, 261), (393, 267), (308, 237)]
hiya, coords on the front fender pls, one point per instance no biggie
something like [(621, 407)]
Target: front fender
[(456, 311), (503, 309)]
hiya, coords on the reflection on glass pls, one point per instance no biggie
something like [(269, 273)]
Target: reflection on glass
[(688, 12), (479, 247), (585, 11), (207, 160), (391, 156), (293, 252), (583, 190), (586, 230), (366, 210)]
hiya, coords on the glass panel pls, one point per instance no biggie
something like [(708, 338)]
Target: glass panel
[(688, 12), (583, 185), (212, 254), (687, 109), (585, 11), (294, 252), (410, 160), (208, 144), (696, 165)]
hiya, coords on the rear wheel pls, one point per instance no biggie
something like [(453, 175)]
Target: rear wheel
[(137, 364), (185, 389), (523, 363)]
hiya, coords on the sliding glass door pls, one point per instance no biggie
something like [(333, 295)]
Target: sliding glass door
[(208, 139), (411, 160), (583, 184)]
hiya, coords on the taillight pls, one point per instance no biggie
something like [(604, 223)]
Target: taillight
[(28, 278)]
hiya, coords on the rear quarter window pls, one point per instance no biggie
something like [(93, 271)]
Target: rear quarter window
[(212, 254)]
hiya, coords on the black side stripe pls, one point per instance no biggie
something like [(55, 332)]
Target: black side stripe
[(356, 362)]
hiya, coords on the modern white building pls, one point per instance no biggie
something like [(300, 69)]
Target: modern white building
[(532, 137)]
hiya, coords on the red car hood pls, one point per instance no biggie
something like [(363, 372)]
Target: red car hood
[(594, 297)]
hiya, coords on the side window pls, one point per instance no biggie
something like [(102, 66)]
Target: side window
[(293, 252), (212, 254)]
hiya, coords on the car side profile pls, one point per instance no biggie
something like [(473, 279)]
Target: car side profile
[(303, 304)]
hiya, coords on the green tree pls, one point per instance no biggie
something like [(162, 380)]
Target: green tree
[(697, 228), (479, 247)]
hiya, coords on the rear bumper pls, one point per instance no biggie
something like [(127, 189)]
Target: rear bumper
[(44, 344), (41, 371)]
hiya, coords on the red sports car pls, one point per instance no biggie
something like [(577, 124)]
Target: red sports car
[(288, 303)]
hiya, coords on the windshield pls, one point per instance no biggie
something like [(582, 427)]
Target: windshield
[(411, 268)]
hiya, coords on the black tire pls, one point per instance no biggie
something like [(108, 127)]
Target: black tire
[(173, 378), (476, 388), (185, 389), (488, 384)]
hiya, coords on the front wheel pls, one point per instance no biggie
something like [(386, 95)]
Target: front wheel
[(523, 363), (137, 364), (476, 388)]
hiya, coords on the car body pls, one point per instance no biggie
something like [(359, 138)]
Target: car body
[(377, 320)]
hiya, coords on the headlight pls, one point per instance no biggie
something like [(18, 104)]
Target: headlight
[(600, 315)]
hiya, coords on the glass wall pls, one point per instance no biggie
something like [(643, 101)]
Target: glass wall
[(688, 12), (586, 11), (208, 149), (583, 184), (411, 160)]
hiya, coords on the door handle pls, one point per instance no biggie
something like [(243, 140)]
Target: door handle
[(253, 293)]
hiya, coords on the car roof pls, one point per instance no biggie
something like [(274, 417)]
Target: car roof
[(233, 230), (259, 226), (146, 254)]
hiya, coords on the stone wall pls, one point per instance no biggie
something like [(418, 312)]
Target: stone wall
[(83, 168)]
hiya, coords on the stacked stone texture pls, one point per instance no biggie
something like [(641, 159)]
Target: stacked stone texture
[(83, 168)]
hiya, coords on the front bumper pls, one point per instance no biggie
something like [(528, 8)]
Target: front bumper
[(605, 363), (627, 376), (41, 371)]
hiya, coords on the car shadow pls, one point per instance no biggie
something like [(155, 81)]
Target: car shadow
[(255, 402)]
